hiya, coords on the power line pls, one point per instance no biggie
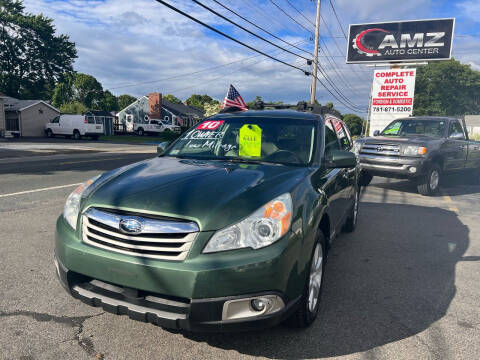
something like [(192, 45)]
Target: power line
[(291, 18), (248, 31), (229, 37), (259, 27), (338, 20), (298, 11), (195, 72), (254, 49)]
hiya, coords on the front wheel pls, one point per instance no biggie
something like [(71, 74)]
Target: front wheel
[(310, 301), (429, 184), (140, 132), (49, 133), (76, 135)]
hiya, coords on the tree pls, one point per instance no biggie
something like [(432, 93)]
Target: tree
[(73, 107), (173, 99), (200, 100), (109, 102), (125, 100), (447, 88), (251, 104), (212, 108), (87, 90), (32, 57), (81, 88), (354, 123)]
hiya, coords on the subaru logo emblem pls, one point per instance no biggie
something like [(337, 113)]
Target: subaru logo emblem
[(131, 226)]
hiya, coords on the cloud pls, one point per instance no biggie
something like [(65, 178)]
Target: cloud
[(470, 9), (138, 41)]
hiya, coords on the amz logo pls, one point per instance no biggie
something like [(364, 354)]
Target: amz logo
[(370, 41)]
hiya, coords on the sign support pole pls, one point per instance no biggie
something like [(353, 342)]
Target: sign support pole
[(313, 90)]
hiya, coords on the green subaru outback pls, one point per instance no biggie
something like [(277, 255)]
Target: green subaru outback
[(227, 229)]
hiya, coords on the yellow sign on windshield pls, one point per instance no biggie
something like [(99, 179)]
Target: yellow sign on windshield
[(250, 140)]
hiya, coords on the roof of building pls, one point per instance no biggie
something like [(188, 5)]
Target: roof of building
[(99, 113), (182, 109), (12, 104)]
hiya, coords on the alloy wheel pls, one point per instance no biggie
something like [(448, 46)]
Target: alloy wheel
[(434, 179), (315, 280)]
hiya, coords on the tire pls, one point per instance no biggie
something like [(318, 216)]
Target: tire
[(365, 178), (429, 184), (76, 135), (307, 311), (140, 132), (168, 130), (50, 133), (351, 222)]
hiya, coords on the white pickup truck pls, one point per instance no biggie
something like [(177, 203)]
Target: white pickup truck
[(155, 126)]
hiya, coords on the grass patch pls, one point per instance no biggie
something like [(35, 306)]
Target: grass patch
[(140, 139)]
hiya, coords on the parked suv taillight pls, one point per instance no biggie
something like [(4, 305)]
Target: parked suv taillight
[(85, 121)]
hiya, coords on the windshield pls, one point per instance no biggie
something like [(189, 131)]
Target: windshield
[(430, 128), (283, 141)]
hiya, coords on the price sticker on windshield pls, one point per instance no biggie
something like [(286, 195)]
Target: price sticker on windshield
[(250, 140), (210, 125)]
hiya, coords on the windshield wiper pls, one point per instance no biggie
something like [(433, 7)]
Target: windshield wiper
[(243, 161)]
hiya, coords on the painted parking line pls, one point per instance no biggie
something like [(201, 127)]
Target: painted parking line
[(38, 190), (449, 200)]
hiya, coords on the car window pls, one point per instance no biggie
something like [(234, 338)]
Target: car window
[(275, 140), (90, 120), (98, 119), (409, 127), (455, 129), (154, 122), (331, 140), (346, 140), (56, 120)]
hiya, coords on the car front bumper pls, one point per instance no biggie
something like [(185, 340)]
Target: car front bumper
[(396, 167), (186, 295)]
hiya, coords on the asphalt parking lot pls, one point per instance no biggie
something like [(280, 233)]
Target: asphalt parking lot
[(404, 285)]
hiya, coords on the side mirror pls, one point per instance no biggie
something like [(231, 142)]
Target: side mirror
[(376, 133), (341, 159), (162, 147)]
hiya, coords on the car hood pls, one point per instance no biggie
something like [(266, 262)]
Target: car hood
[(212, 193), (413, 140)]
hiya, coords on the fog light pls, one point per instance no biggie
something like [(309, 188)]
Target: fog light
[(251, 307), (258, 304), (413, 169)]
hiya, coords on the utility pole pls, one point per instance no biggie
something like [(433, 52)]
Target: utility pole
[(315, 54)]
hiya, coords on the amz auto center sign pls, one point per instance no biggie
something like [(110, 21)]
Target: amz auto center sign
[(417, 40), (393, 91)]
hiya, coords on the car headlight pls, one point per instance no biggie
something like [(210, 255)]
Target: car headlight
[(412, 150), (262, 228), (72, 206)]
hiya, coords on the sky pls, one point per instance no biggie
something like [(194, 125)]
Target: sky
[(139, 46)]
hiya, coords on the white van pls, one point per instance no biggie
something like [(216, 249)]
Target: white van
[(74, 126)]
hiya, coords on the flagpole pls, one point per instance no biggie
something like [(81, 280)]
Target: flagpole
[(315, 54)]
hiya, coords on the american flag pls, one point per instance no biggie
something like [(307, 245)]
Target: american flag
[(233, 99)]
